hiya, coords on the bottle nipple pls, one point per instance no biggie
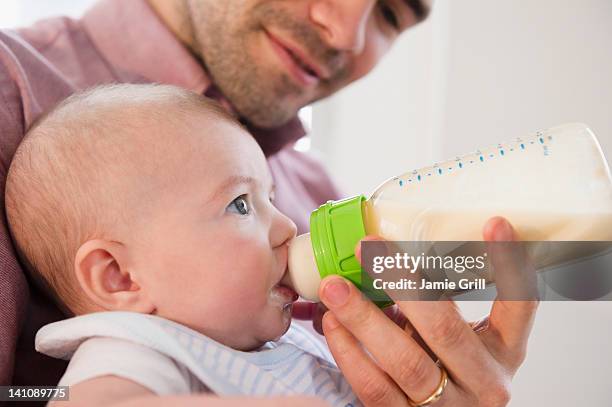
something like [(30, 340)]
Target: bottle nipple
[(303, 275)]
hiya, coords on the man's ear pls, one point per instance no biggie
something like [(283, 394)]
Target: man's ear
[(103, 271)]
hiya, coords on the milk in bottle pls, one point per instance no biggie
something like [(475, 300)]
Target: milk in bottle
[(554, 185)]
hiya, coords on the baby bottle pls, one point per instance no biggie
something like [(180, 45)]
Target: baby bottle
[(554, 185)]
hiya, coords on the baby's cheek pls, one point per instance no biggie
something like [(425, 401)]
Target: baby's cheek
[(241, 290), (237, 278)]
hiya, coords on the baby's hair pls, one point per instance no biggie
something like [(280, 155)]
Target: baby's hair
[(58, 190)]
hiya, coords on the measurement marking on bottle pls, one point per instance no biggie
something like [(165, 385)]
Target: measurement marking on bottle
[(479, 156)]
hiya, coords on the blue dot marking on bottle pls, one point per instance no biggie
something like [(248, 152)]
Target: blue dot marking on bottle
[(419, 177), (401, 183), (481, 158), (460, 165), (501, 152), (522, 146), (541, 140), (440, 171)]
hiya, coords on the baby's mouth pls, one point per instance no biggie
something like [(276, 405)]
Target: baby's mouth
[(283, 296)]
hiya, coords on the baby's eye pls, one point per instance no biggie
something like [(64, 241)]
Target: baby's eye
[(239, 205)]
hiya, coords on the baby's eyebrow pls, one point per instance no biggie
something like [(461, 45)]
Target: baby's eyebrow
[(230, 183)]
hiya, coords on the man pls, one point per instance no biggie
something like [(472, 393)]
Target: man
[(263, 59)]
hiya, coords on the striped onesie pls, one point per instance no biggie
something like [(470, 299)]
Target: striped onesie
[(170, 358)]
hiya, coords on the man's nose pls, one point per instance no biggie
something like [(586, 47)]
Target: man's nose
[(343, 22)]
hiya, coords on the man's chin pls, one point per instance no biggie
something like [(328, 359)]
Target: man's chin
[(268, 114), (264, 120)]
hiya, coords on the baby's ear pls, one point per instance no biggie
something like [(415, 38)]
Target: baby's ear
[(103, 271)]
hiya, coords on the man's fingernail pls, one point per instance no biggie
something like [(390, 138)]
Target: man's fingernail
[(503, 232), (330, 321), (336, 292)]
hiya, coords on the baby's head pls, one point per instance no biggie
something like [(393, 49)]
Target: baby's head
[(152, 199)]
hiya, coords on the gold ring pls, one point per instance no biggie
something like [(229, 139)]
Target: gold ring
[(435, 396)]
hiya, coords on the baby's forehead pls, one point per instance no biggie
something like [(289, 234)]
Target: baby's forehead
[(154, 136), (205, 151), (229, 151)]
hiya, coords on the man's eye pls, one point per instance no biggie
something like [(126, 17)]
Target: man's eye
[(239, 205), (389, 15)]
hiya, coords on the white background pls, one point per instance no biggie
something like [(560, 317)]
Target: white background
[(477, 73)]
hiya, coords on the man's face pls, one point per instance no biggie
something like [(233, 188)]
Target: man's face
[(272, 57)]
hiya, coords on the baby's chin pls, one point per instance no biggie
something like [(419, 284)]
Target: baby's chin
[(286, 319), (276, 323)]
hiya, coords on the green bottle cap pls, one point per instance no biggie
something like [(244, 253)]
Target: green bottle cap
[(335, 229)]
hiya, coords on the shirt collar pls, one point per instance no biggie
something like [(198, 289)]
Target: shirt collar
[(134, 41)]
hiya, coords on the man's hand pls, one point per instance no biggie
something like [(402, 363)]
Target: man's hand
[(390, 362)]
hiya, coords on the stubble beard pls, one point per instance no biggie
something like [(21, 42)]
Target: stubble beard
[(261, 94)]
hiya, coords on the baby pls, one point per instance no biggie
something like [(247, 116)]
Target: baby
[(147, 211)]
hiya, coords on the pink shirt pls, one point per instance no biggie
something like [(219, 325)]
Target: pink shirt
[(115, 41)]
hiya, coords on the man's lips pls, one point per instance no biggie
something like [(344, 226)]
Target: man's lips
[(299, 63)]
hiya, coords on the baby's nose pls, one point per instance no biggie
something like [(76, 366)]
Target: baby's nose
[(283, 230)]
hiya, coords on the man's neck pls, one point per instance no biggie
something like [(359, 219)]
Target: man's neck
[(175, 15)]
